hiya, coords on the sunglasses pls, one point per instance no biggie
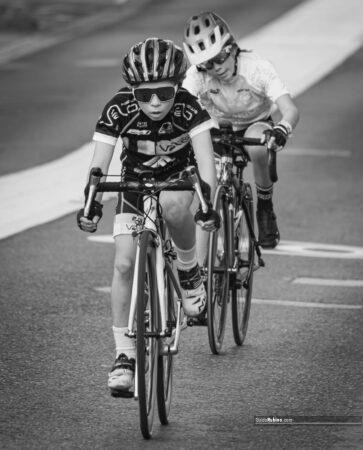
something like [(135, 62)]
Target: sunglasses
[(218, 59), (164, 94)]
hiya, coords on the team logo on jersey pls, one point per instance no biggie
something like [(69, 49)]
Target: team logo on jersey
[(166, 128), (243, 90), (182, 109), (214, 91), (141, 124), (139, 132)]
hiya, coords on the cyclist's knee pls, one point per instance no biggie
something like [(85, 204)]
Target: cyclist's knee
[(258, 153), (175, 213), (176, 208), (123, 267), (256, 129)]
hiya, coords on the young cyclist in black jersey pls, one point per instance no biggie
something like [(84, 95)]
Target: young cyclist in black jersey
[(163, 128), (242, 88)]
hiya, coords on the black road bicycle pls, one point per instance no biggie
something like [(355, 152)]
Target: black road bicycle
[(233, 249)]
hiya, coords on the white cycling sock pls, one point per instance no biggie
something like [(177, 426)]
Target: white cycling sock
[(187, 259), (124, 344)]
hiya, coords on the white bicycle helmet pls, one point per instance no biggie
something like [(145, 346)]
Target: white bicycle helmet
[(205, 36), (154, 59)]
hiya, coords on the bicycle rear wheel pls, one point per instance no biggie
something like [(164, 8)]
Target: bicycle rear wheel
[(242, 281), (165, 362), (218, 276), (146, 337)]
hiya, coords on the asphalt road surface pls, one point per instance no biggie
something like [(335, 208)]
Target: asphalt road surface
[(303, 350)]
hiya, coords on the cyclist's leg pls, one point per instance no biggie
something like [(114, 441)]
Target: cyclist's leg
[(121, 376), (269, 235), (180, 222), (201, 236)]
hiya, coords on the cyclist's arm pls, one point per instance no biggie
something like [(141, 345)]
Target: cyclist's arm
[(203, 150), (102, 156), (288, 110)]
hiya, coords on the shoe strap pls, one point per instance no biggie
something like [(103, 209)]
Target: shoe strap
[(190, 279)]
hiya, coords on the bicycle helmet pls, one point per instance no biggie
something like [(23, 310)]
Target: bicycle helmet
[(154, 59), (205, 36)]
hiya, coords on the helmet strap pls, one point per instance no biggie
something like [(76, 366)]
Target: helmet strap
[(238, 51)]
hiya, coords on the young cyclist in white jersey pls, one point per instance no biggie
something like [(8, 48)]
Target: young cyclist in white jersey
[(240, 87), (162, 127)]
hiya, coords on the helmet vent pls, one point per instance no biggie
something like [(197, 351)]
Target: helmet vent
[(213, 38), (207, 23), (222, 30), (197, 29), (201, 45)]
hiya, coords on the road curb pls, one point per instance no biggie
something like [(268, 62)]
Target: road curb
[(41, 41)]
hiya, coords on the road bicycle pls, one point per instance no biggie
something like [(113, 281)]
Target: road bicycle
[(231, 260), (156, 317)]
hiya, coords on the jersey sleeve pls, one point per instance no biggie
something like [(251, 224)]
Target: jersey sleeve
[(109, 123), (192, 81), (196, 117), (272, 85)]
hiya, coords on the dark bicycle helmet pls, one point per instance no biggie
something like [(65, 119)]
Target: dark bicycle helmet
[(205, 35), (154, 59)]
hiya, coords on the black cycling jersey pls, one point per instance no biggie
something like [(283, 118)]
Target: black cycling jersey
[(161, 146)]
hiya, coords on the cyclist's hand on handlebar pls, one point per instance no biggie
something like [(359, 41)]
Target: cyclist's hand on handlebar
[(276, 137), (209, 221), (90, 224)]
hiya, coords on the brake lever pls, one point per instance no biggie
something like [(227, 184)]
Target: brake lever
[(94, 180), (195, 179)]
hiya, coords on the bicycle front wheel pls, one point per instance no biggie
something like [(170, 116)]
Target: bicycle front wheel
[(218, 275), (146, 337), (165, 362), (241, 283)]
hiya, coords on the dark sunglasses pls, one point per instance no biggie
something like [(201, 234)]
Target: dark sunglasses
[(164, 94), (218, 59)]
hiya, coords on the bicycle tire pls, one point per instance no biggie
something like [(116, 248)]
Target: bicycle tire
[(217, 274), (147, 345), (242, 282), (165, 362)]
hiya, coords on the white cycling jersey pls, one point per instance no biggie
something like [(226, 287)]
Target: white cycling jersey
[(249, 97)]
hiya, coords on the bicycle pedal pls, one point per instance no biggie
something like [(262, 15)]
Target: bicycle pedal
[(121, 394), (197, 321)]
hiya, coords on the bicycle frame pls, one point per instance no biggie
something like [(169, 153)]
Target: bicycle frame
[(231, 180), (151, 219)]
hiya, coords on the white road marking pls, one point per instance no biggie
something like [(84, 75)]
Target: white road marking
[(102, 238), (39, 41), (54, 189), (316, 250), (258, 301), (304, 304), (286, 248), (304, 44), (327, 282), (310, 40), (105, 289)]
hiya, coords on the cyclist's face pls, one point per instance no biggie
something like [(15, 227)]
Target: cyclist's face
[(155, 99), (222, 66)]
